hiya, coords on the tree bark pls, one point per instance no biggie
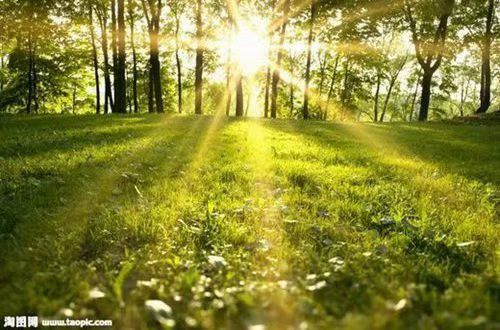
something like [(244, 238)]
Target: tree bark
[(30, 73), (267, 92), (426, 95), (239, 95), (377, 93), (96, 63), (198, 84), (178, 64), (135, 71), (332, 86), (108, 95), (414, 99), (277, 70), (120, 82), (392, 82), (305, 110), (152, 11), (485, 95)]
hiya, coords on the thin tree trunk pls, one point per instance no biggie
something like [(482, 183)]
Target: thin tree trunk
[(108, 96), (277, 70), (323, 65), (152, 11), (332, 86), (30, 73), (2, 66), (414, 100), (394, 78), (305, 110), (114, 49), (343, 98), (120, 79), (229, 69), (135, 72), (292, 99), (377, 93), (485, 96), (239, 95), (96, 63), (198, 84), (267, 92), (73, 99), (178, 64)]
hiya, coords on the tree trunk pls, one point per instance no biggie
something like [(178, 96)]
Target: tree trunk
[(108, 96), (394, 78), (485, 96), (377, 93), (229, 69), (2, 66), (292, 99), (277, 70), (96, 63), (120, 79), (198, 84), (332, 86), (267, 92), (426, 95), (114, 50), (322, 73), (30, 73), (135, 73), (153, 22), (305, 110), (178, 64), (239, 95), (414, 99)]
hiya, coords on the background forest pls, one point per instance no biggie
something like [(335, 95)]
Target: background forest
[(340, 60)]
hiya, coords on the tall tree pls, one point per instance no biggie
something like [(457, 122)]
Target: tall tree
[(95, 61), (485, 91), (103, 22), (177, 7), (429, 44), (198, 84), (152, 12), (277, 70), (305, 109), (120, 82), (135, 71)]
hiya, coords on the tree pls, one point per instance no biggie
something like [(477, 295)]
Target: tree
[(177, 7), (429, 42), (95, 61), (305, 109), (120, 83), (152, 12), (485, 91), (198, 84), (135, 71), (277, 70)]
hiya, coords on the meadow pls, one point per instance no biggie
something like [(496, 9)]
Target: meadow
[(166, 221)]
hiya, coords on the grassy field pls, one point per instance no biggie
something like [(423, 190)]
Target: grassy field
[(241, 223)]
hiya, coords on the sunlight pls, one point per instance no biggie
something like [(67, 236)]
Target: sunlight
[(250, 49)]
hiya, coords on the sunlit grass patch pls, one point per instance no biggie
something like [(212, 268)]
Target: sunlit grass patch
[(234, 223)]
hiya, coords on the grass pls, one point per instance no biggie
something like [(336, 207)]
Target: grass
[(239, 223)]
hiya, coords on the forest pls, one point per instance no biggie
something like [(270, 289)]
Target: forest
[(250, 164), (330, 60)]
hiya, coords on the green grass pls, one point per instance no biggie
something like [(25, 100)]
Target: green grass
[(320, 225)]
